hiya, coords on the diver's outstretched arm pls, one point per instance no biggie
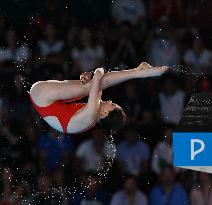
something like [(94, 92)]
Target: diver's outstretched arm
[(89, 114)]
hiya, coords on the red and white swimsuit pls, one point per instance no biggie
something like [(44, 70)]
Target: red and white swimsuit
[(64, 110)]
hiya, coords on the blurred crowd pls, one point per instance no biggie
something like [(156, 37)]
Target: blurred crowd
[(51, 39)]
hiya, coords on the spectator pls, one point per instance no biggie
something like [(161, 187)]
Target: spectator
[(148, 120), (198, 58), (13, 52), (50, 49), (194, 15), (163, 49), (13, 196), (162, 154), (19, 100), (131, 104), (125, 51), (7, 184), (95, 152), (168, 192), (86, 55), (131, 11), (13, 150), (90, 12), (130, 194), (54, 149), (92, 193), (3, 24), (171, 97), (133, 154), (189, 86), (202, 194), (172, 10), (51, 45), (48, 195), (72, 34)]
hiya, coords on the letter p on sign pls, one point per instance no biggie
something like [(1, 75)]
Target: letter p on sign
[(193, 152)]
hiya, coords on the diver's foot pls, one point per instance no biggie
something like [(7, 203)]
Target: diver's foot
[(146, 70)]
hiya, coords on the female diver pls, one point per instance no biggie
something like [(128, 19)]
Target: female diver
[(56, 101)]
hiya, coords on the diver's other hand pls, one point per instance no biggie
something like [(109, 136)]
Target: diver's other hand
[(86, 77), (99, 72)]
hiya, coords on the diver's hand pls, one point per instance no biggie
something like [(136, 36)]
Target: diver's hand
[(99, 73), (86, 77)]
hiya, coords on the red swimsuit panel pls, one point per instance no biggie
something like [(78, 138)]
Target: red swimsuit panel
[(64, 110)]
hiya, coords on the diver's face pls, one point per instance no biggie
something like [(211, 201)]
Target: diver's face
[(106, 107)]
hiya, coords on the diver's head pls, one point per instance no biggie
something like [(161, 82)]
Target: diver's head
[(111, 117)]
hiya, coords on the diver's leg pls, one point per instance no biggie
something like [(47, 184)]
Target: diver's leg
[(45, 92), (144, 70)]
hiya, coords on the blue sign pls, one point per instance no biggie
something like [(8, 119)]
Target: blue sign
[(192, 148)]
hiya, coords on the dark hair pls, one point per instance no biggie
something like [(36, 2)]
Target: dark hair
[(113, 122)]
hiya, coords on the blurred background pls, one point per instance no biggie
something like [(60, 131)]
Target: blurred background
[(52, 39)]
